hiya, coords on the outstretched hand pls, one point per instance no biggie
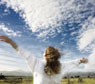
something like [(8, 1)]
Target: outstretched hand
[(8, 40), (84, 60), (5, 39)]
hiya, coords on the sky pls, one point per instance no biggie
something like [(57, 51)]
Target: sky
[(68, 25)]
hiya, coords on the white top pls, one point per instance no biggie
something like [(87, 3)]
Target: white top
[(37, 67)]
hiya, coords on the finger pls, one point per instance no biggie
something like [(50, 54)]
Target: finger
[(2, 40), (3, 37), (87, 60), (83, 58)]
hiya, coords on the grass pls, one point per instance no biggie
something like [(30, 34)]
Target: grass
[(17, 80), (29, 80), (75, 81)]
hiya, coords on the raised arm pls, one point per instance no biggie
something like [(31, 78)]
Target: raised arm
[(31, 60), (68, 66), (75, 63), (8, 40), (15, 46)]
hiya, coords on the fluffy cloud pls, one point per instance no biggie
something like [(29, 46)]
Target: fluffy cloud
[(9, 60), (91, 64), (87, 38), (41, 15), (38, 14), (87, 34), (8, 31), (87, 41)]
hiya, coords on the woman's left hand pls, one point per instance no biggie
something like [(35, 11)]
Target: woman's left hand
[(84, 60)]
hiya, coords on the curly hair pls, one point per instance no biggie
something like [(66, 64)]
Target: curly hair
[(53, 65)]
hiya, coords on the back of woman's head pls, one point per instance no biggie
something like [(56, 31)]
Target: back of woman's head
[(52, 61)]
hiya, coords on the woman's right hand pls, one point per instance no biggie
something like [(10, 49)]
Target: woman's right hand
[(8, 40)]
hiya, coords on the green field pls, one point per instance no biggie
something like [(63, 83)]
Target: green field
[(75, 81), (29, 80)]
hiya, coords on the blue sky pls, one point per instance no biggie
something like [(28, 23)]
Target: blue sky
[(66, 25)]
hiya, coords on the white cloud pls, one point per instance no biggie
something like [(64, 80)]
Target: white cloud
[(87, 34), (73, 33), (87, 38), (8, 31), (62, 43), (91, 65), (45, 14), (8, 68), (70, 55), (38, 14), (87, 42), (9, 60)]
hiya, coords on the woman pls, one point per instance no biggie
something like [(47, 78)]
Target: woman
[(49, 71)]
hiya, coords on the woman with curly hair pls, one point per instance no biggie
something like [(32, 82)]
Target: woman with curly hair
[(47, 71)]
